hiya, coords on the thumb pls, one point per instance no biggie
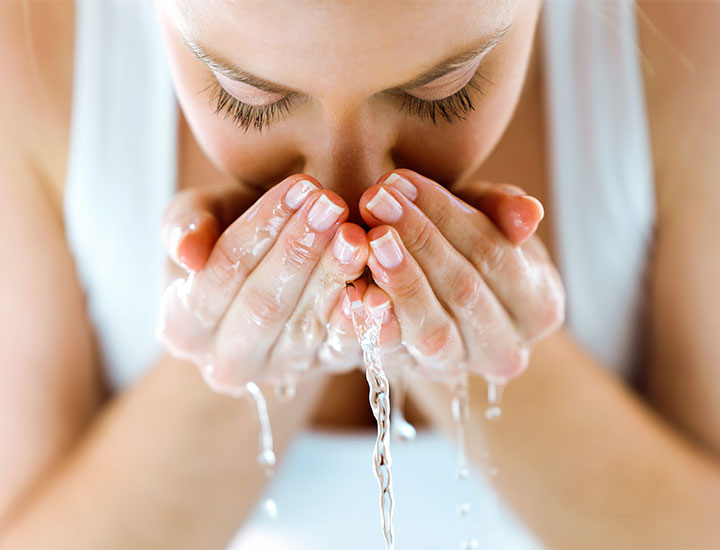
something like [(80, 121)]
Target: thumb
[(194, 219), (514, 212)]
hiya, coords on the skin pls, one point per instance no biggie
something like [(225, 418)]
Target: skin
[(435, 342), (584, 461)]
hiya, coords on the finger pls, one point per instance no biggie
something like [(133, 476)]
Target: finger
[(241, 247), (342, 261), (341, 350), (466, 272), (428, 331), (393, 354), (513, 211), (195, 217), (489, 335), (271, 292), (514, 214)]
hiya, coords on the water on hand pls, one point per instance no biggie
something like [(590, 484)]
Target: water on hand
[(367, 328)]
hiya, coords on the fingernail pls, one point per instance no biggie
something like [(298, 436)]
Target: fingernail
[(403, 185), (384, 207), (536, 202), (323, 213), (298, 193), (343, 250), (177, 234), (386, 250), (381, 312)]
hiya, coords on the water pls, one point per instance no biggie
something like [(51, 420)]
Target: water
[(459, 406), (266, 458), (495, 388), (400, 428), (368, 331)]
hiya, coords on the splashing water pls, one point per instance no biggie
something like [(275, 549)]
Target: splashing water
[(266, 458), (495, 389), (400, 428), (459, 405), (367, 328), (459, 408)]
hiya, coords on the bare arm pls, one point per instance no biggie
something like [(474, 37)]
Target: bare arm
[(582, 460), (167, 462)]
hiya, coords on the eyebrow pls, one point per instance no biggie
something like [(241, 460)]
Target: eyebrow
[(447, 65)]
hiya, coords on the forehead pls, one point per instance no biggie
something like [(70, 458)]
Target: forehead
[(325, 45)]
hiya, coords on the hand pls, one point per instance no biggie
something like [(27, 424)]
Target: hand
[(463, 292), (259, 297)]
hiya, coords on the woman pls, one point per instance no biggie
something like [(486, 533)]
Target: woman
[(583, 461)]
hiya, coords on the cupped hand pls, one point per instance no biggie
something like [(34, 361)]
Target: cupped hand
[(466, 288), (256, 286)]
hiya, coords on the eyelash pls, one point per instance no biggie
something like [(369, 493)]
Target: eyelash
[(452, 108)]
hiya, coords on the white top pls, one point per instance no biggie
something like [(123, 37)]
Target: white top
[(122, 172)]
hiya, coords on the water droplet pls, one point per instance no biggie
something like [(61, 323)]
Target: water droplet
[(285, 391), (491, 413), (463, 509), (462, 472), (495, 390), (270, 509)]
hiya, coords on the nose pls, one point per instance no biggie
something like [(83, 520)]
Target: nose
[(350, 158)]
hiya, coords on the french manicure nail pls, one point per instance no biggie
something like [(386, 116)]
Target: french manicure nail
[(343, 250), (403, 185), (384, 207), (298, 193), (323, 214), (387, 251)]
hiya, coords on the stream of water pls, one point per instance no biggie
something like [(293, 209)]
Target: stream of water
[(368, 331)]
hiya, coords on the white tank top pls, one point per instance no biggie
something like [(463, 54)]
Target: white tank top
[(122, 172)]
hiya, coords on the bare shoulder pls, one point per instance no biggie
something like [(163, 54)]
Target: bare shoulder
[(682, 50), (36, 61)]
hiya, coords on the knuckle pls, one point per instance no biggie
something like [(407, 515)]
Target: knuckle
[(510, 362), (299, 251), (232, 264), (306, 329), (487, 254), (437, 343), (420, 238), (410, 288), (467, 290), (260, 307)]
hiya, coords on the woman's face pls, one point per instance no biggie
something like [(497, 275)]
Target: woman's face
[(340, 103)]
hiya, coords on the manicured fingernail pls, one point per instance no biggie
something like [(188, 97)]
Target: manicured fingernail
[(403, 185), (537, 203), (177, 235), (298, 193), (381, 312), (323, 214), (386, 250), (343, 250), (384, 207)]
